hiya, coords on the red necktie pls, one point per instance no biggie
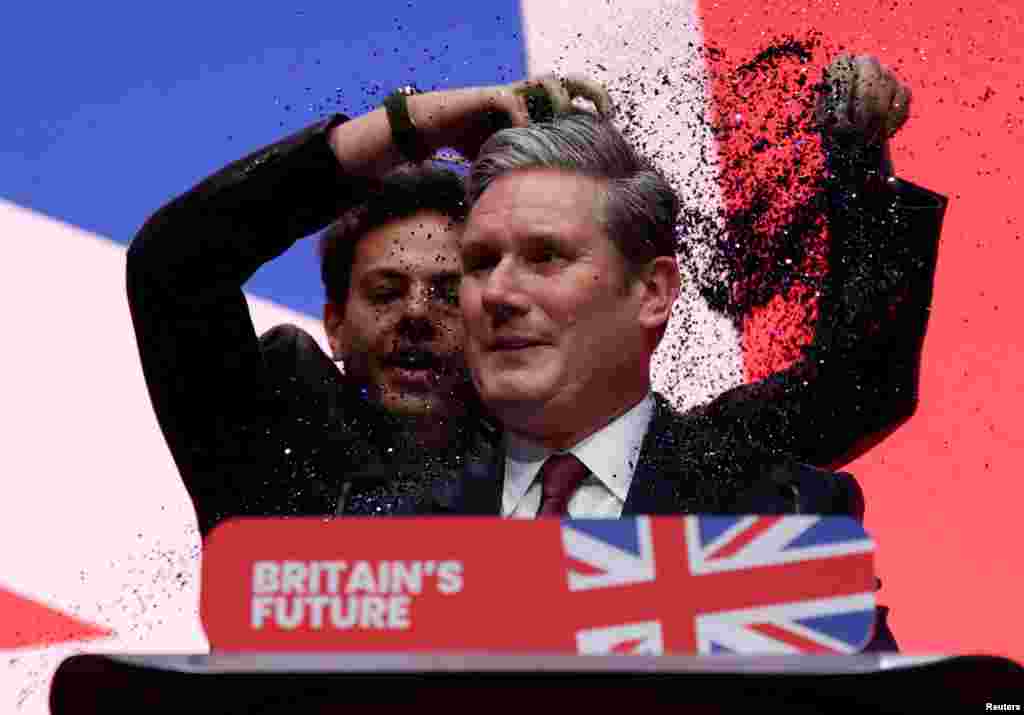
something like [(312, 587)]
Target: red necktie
[(560, 476)]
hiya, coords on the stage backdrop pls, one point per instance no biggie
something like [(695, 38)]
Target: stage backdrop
[(112, 110)]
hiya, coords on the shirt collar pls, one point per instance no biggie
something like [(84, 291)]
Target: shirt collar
[(611, 455)]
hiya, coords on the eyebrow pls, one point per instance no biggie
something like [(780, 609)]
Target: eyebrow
[(544, 237), (394, 274), (532, 234), (388, 273)]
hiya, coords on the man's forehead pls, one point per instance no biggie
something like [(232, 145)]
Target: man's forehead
[(421, 244), (536, 200), (434, 266), (408, 271)]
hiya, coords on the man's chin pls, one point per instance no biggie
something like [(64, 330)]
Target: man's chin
[(409, 405), (513, 397), (418, 402)]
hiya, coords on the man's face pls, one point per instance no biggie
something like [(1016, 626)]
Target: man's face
[(400, 332), (551, 321)]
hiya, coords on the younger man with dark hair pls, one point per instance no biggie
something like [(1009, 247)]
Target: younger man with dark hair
[(268, 425)]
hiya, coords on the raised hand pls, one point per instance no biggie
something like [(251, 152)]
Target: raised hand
[(517, 104), (462, 119), (862, 97), (861, 106)]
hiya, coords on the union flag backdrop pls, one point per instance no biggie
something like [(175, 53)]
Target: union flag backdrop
[(110, 110)]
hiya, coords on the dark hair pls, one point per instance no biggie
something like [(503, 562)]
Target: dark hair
[(640, 208), (400, 194)]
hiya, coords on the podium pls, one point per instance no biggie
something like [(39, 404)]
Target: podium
[(322, 683), (707, 614)]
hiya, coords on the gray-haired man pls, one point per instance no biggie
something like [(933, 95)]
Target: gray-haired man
[(569, 280)]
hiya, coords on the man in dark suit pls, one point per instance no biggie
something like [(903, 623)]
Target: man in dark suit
[(569, 279), (268, 425)]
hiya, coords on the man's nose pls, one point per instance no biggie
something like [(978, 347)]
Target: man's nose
[(502, 293), (416, 321), (418, 302)]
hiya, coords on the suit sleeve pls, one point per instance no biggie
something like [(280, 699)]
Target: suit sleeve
[(857, 380), (214, 396)]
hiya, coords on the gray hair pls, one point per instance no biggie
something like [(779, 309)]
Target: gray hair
[(640, 207)]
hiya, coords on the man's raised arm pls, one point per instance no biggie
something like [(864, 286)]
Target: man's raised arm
[(857, 381), (218, 402)]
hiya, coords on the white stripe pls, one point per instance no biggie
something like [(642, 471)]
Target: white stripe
[(86, 470), (619, 568), (794, 611), (701, 355), (693, 537), (730, 628)]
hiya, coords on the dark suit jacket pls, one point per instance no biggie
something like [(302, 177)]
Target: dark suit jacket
[(687, 465)]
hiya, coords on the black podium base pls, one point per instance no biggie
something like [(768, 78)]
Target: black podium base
[(335, 683)]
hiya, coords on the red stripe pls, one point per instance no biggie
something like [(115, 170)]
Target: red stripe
[(583, 568), (726, 591), (744, 537), (804, 645), (627, 647), (25, 623)]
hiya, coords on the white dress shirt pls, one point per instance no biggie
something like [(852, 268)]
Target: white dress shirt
[(610, 454)]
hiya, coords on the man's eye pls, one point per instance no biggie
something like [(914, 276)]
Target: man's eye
[(476, 264), (545, 255), (385, 295), (448, 292)]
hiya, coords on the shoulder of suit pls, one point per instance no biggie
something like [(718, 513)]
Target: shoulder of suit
[(697, 432), (287, 336), (294, 356), (292, 342), (825, 492), (912, 196), (785, 486), (665, 413), (761, 478)]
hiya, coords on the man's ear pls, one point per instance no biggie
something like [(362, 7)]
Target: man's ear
[(334, 326), (660, 283)]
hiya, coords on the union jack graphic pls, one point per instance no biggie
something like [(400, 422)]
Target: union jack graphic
[(746, 584)]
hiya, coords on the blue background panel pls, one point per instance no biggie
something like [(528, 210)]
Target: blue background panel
[(119, 107)]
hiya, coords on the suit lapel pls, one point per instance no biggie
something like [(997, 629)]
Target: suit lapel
[(653, 489), (684, 466), (689, 464), (481, 482), (650, 493)]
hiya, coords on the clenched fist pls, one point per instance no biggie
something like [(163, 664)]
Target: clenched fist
[(520, 103), (863, 99)]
